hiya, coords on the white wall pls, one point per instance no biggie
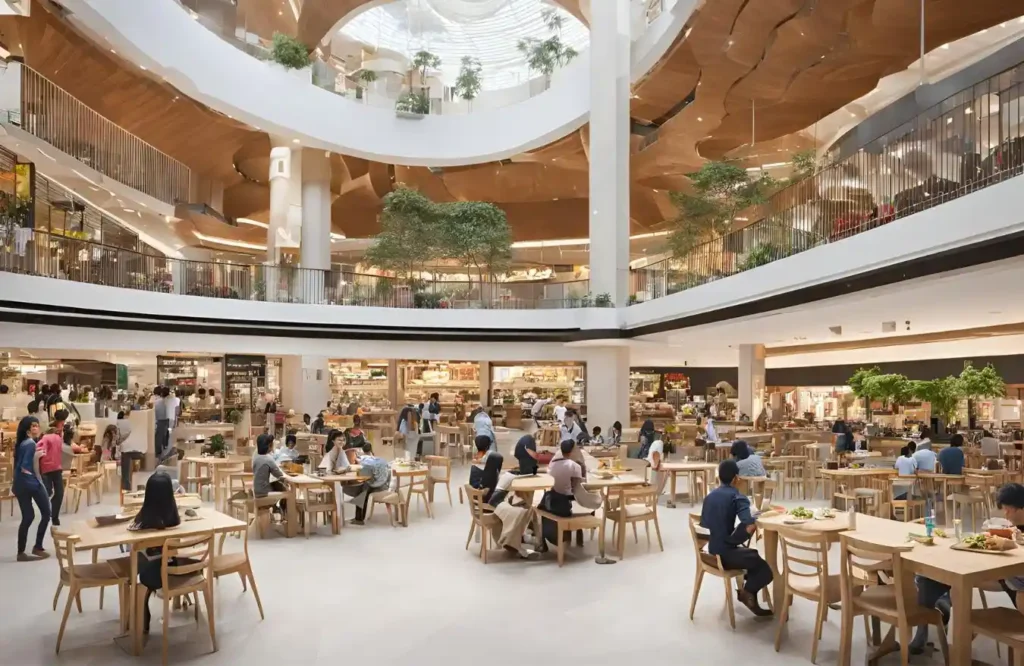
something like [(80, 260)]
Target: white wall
[(989, 213), (160, 36)]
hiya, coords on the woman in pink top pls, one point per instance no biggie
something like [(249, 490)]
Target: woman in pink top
[(51, 464)]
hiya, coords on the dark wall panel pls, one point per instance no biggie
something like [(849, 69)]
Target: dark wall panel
[(1010, 367)]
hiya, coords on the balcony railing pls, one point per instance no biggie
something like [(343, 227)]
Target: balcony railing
[(52, 114), (967, 142), (68, 258)]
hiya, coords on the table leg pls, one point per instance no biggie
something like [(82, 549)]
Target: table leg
[(602, 558), (134, 625), (292, 517), (672, 495), (307, 515), (771, 555), (403, 505), (960, 650)]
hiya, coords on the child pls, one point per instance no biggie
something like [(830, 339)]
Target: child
[(597, 438)]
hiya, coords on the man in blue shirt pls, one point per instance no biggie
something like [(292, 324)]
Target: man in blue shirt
[(722, 507), (952, 457)]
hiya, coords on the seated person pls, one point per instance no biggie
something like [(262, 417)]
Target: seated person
[(307, 423), (287, 453), (569, 476), (317, 427), (597, 437), (483, 451), (989, 444), (615, 437), (906, 465), (354, 436), (570, 427), (722, 507), (263, 465), (923, 454), (526, 455), (379, 473), (951, 458), (933, 594), (336, 461), (748, 464), (334, 438), (159, 511)]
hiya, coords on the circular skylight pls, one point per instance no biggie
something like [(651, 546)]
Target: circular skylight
[(485, 29)]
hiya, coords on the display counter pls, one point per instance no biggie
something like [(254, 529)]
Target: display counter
[(187, 432), (364, 382), (143, 433), (524, 381), (418, 379)]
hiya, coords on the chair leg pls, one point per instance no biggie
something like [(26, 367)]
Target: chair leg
[(166, 620), (783, 616), (636, 539), (696, 590), (483, 544), (78, 601), (255, 592), (904, 633), (944, 644), (448, 488), (208, 598), (60, 586), (560, 545), (728, 603), (64, 619), (647, 529), (657, 532), (818, 621), (472, 530)]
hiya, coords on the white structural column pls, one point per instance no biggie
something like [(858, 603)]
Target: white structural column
[(751, 380), (316, 223), (285, 211), (305, 383), (607, 387), (609, 149)]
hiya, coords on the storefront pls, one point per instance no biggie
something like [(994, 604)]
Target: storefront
[(212, 386), (449, 379), (363, 382)]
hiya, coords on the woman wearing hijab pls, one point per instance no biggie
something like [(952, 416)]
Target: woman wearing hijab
[(646, 438), (28, 487)]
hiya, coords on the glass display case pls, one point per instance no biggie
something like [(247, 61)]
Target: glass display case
[(521, 383), (362, 381), (418, 379)]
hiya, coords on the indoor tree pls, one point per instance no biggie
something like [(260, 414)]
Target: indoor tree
[(474, 233), (366, 77), (980, 384), (289, 52), (721, 191), (944, 396), (860, 384), (423, 61), (408, 237), (468, 83)]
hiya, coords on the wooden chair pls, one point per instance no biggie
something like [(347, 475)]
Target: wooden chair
[(78, 577), (249, 508), (322, 502), (220, 482), (192, 575), (6, 489), (794, 478), (1003, 625), (634, 506), (389, 498), (481, 517), (439, 471), (909, 506), (571, 524), (895, 604), (712, 564), (237, 563), (419, 488), (805, 574)]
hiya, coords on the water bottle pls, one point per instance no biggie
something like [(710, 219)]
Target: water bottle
[(929, 524), (851, 516)]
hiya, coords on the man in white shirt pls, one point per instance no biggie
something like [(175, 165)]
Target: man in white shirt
[(656, 456), (538, 408), (173, 407), (560, 409), (570, 428)]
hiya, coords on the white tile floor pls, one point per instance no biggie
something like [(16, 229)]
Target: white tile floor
[(380, 595)]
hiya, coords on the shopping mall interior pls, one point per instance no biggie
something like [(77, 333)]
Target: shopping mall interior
[(300, 290)]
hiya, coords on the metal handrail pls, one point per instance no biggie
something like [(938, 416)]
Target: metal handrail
[(59, 118), (922, 164), (69, 257)]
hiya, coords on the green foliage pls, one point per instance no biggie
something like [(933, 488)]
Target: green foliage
[(546, 55), (367, 76), (234, 416), (424, 60), (217, 445), (944, 396), (721, 191), (413, 102), (860, 382), (761, 254), (407, 238), (892, 389), (984, 383), (289, 52), (805, 163), (603, 301), (475, 233), (553, 20), (468, 83), (427, 300)]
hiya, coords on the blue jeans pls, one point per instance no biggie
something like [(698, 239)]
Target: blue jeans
[(27, 493)]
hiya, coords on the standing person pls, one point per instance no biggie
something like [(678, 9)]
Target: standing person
[(655, 457), (53, 463), (132, 449), (431, 413), (408, 426), (560, 409), (722, 508), (482, 425), (162, 435), (28, 488), (537, 410), (270, 415)]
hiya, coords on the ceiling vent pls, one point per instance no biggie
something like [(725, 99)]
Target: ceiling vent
[(888, 327)]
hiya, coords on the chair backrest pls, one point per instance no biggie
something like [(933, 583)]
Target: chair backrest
[(236, 481), (692, 452), (804, 554), (195, 553), (699, 541), (476, 500), (64, 550), (860, 562), (439, 467)]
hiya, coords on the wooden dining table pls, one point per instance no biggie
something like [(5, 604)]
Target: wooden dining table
[(962, 571), (92, 536), (692, 470)]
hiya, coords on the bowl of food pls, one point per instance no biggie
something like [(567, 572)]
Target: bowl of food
[(799, 515), (1003, 532)]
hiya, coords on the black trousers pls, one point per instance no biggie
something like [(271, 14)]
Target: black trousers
[(54, 483), (759, 573), (127, 458)]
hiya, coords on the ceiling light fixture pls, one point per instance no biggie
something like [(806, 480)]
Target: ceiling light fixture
[(142, 67), (295, 141), (228, 241), (249, 221), (968, 111)]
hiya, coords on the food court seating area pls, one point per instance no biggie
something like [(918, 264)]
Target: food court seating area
[(300, 585)]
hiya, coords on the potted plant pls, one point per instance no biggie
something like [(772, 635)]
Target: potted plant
[(218, 447), (365, 77), (412, 105), (603, 301), (291, 55), (234, 416)]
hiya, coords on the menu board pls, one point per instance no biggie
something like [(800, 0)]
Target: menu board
[(245, 378), (178, 372)]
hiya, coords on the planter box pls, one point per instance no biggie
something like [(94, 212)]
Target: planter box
[(304, 74), (408, 114)]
